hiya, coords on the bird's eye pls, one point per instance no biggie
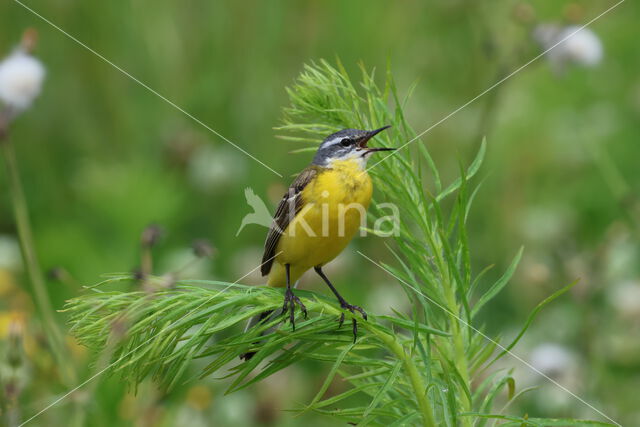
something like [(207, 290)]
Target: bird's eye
[(346, 142)]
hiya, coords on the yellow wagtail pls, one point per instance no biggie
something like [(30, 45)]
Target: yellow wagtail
[(318, 216)]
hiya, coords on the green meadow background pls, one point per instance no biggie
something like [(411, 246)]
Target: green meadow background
[(102, 157)]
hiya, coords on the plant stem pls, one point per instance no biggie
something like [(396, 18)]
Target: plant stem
[(417, 382), (25, 236), (459, 348), (459, 351)]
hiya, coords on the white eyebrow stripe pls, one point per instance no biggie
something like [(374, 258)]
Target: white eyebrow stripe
[(333, 141)]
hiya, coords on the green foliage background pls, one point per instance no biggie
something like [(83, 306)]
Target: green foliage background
[(101, 157)]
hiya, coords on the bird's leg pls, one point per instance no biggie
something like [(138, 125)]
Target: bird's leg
[(344, 304), (291, 300)]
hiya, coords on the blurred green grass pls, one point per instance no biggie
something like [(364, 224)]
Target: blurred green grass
[(102, 157)]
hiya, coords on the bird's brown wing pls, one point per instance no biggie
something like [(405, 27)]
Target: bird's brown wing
[(288, 208)]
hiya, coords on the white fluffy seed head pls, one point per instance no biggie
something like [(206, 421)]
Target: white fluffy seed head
[(569, 45), (21, 77), (551, 359), (584, 47)]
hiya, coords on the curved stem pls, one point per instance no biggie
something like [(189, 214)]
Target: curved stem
[(410, 367), (25, 236), (417, 382)]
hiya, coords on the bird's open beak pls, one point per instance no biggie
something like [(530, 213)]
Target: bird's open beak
[(371, 134)]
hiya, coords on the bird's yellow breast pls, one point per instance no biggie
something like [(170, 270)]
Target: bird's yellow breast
[(334, 206)]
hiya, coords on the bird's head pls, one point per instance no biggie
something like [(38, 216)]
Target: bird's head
[(348, 144)]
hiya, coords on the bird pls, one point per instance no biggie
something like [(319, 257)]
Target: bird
[(317, 218)]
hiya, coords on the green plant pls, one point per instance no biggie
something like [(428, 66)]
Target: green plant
[(21, 81), (412, 368)]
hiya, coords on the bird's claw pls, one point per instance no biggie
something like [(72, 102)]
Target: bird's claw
[(352, 309), (291, 300)]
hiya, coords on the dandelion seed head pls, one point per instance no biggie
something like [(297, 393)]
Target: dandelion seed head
[(545, 34), (569, 45), (21, 77), (552, 359), (584, 47)]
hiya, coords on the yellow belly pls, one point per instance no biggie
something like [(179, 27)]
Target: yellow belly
[(334, 208)]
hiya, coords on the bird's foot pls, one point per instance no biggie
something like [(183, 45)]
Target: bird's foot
[(353, 309), (290, 301)]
